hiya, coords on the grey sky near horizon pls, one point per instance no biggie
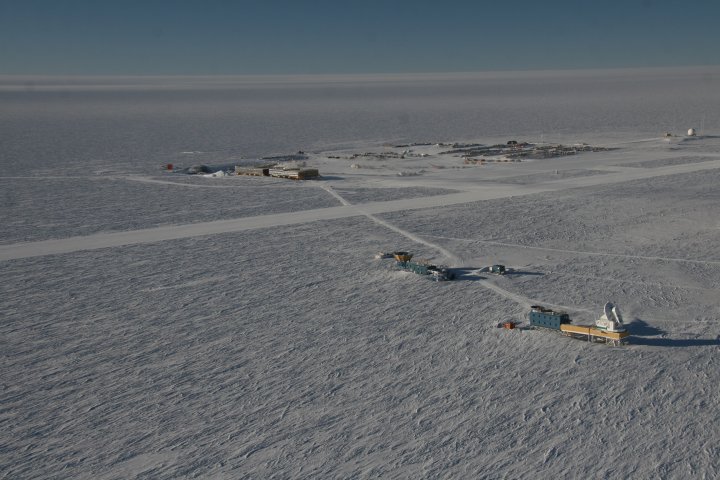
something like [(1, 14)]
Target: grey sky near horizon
[(80, 37)]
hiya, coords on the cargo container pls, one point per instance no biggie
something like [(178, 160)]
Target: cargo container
[(547, 318), (254, 171), (439, 273), (608, 328), (295, 173)]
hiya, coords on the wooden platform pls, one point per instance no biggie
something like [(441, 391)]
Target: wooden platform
[(591, 331)]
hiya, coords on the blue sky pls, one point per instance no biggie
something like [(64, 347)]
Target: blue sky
[(127, 37)]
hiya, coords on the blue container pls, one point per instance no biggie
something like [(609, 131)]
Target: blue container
[(544, 317), (419, 268)]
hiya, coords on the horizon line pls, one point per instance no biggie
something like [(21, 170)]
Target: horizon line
[(349, 74)]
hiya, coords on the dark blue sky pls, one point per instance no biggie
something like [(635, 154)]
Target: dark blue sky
[(128, 37)]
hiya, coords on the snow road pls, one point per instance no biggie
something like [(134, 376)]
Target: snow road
[(583, 252), (173, 232)]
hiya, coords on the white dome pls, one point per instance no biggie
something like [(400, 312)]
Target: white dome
[(691, 132)]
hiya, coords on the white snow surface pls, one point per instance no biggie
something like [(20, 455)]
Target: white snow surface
[(165, 326)]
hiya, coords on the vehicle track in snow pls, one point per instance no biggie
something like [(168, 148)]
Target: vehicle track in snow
[(174, 232), (144, 179), (527, 302), (456, 260), (582, 252)]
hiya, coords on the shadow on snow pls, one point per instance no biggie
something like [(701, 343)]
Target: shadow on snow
[(471, 274), (645, 334)]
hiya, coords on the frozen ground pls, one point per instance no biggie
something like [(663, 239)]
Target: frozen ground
[(157, 326), (102, 203)]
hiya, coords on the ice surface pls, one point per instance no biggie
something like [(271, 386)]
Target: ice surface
[(38, 208), (163, 326)]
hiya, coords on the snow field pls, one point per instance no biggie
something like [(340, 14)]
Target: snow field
[(240, 328), (303, 357)]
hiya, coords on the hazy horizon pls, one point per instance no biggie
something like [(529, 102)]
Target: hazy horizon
[(91, 80), (248, 116)]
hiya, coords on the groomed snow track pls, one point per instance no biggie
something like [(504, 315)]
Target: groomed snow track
[(174, 232)]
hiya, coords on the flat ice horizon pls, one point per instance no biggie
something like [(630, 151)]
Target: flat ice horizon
[(170, 326)]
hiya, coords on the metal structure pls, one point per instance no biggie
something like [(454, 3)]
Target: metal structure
[(404, 261), (402, 256), (496, 269), (294, 173), (278, 171), (547, 318), (611, 320), (608, 328), (253, 171)]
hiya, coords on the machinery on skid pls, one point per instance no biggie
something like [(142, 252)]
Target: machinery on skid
[(404, 261), (496, 269), (609, 327)]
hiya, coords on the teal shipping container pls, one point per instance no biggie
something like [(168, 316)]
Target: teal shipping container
[(547, 318)]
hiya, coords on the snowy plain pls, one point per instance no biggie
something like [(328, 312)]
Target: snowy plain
[(164, 326)]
